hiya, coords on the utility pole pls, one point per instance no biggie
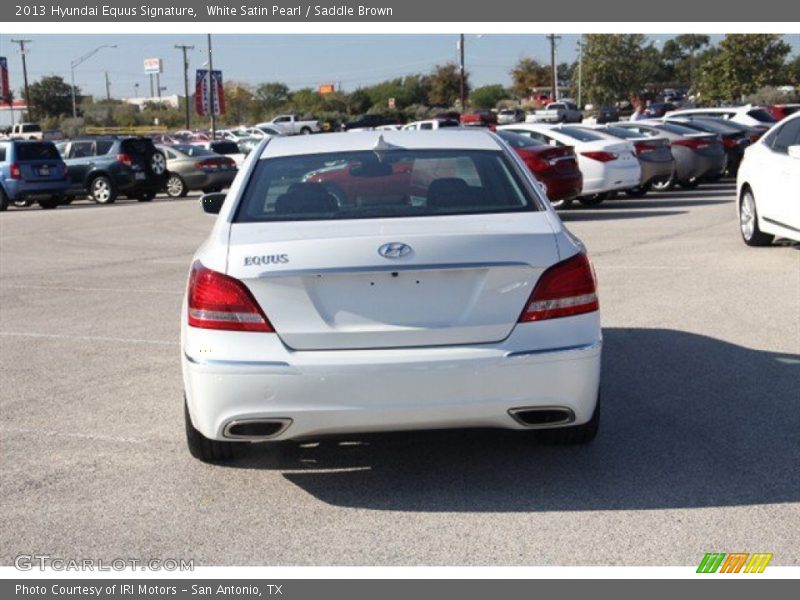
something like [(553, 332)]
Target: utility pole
[(185, 48), (552, 37), (580, 71), (463, 76), (25, 75), (158, 85), (152, 90), (108, 87), (211, 91)]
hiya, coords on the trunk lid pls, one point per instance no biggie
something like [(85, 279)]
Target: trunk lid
[(324, 284)]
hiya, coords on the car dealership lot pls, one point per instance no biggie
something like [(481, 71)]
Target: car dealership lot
[(698, 450)]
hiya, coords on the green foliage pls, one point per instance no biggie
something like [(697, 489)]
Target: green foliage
[(528, 74), (617, 67), (488, 96), (446, 85), (742, 64), (51, 96)]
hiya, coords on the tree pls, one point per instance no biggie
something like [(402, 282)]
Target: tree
[(446, 85), (239, 99), (616, 66), (271, 96), (488, 96), (679, 57), (529, 74), (52, 97), (791, 74), (743, 64)]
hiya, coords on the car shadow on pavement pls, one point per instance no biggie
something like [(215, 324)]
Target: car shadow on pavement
[(612, 213), (688, 421)]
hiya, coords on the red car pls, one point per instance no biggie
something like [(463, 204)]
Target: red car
[(554, 166), (480, 118), (781, 111)]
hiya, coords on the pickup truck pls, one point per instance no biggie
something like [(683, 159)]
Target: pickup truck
[(26, 131), (291, 125), (556, 112)]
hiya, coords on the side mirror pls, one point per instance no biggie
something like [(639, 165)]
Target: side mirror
[(794, 151), (212, 203)]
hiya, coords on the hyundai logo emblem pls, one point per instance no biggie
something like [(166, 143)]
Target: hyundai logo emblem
[(394, 250)]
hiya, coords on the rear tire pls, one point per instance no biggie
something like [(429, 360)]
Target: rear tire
[(3, 201), (176, 186), (638, 192), (305, 131), (593, 200), (574, 435), (146, 197), (690, 184), (664, 186), (102, 191), (563, 204), (49, 203), (204, 449), (748, 221)]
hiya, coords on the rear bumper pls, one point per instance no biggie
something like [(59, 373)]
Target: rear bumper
[(614, 178), (20, 190), (563, 187), (653, 171), (199, 181), (329, 392)]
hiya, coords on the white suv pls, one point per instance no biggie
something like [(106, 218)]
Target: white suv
[(382, 281)]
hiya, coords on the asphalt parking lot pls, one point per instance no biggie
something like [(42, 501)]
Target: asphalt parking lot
[(698, 449)]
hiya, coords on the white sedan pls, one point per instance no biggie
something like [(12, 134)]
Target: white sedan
[(768, 185), (382, 281), (607, 165)]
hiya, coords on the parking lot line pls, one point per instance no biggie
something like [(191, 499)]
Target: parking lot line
[(90, 338), (91, 289)]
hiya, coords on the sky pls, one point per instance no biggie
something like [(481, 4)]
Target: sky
[(299, 60)]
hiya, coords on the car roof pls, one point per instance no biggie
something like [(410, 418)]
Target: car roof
[(448, 138)]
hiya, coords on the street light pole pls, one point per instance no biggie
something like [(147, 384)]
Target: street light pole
[(28, 102), (184, 48), (74, 63), (463, 78)]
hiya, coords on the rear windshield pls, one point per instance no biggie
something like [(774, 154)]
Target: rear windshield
[(191, 150), (709, 126), (137, 146), (366, 185), (225, 147), (37, 152), (579, 134), (760, 114), (516, 140), (676, 129), (622, 132)]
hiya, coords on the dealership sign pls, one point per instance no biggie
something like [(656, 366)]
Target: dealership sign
[(5, 90), (201, 95), (153, 66)]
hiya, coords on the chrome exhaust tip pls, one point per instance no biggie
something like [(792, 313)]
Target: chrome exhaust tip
[(542, 417), (255, 430)]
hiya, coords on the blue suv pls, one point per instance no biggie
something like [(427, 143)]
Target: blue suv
[(31, 170)]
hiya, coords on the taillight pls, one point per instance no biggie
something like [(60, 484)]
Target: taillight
[(730, 142), (692, 143), (125, 159), (534, 161), (567, 288), (217, 301), (601, 156), (15, 171), (643, 148), (66, 172), (230, 163)]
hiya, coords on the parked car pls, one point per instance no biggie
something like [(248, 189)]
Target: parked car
[(697, 155), (467, 302), (606, 165), (225, 148), (734, 140), (557, 112), (653, 153), (752, 116), (369, 121), (607, 114), (192, 167), (479, 118), (264, 130), (31, 170), (555, 167), (292, 125), (430, 124), (659, 109), (768, 186), (105, 168), (507, 116), (26, 131), (781, 111)]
